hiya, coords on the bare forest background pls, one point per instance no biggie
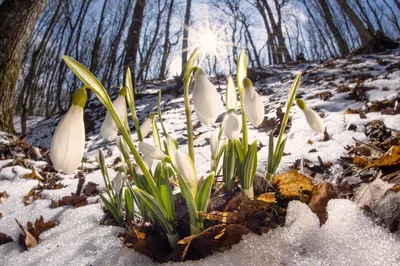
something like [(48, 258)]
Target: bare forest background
[(149, 36)]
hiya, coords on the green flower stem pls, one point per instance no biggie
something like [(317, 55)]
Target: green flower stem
[(131, 103), (186, 83), (159, 113), (241, 73), (292, 95)]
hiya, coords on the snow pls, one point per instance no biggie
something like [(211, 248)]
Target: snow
[(348, 238)]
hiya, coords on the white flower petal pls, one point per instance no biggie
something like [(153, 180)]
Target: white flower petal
[(68, 141), (214, 146), (187, 170), (109, 129), (253, 106), (151, 151), (118, 181), (232, 126), (145, 127), (206, 100), (314, 120)]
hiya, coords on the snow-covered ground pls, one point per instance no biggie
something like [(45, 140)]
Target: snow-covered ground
[(348, 238)]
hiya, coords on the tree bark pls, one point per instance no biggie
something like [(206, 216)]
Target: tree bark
[(341, 43), (185, 40), (17, 20), (166, 45), (133, 40), (94, 62), (149, 53), (363, 33)]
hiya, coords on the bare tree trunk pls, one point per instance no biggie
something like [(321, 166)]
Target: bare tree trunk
[(186, 34), (378, 21), (61, 72), (30, 78), (17, 20), (277, 30), (132, 42), (114, 46), (166, 45), (341, 43), (94, 62), (363, 32), (152, 45)]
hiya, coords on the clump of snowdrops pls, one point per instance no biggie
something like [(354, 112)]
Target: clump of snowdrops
[(150, 194)]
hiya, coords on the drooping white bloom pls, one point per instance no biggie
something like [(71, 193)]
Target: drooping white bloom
[(313, 119), (148, 162), (109, 129), (118, 181), (146, 126), (187, 170), (206, 100), (214, 146), (68, 141), (232, 126), (253, 105), (151, 151)]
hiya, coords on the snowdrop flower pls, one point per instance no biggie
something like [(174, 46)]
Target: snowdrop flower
[(151, 151), (253, 104), (146, 125), (232, 125), (214, 146), (313, 119), (68, 140), (148, 162), (109, 129), (231, 96), (118, 181), (206, 99), (187, 170)]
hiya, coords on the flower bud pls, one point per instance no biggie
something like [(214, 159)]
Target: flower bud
[(253, 104), (214, 146), (187, 170), (146, 125), (117, 184), (206, 99), (109, 129), (68, 141), (232, 126), (151, 151), (313, 119)]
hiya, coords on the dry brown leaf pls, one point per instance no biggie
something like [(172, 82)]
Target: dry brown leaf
[(292, 184), (35, 175), (360, 161), (39, 227), (90, 189), (1, 215), (267, 197), (32, 196), (350, 111), (320, 195), (3, 196), (389, 159), (4, 239), (223, 217), (215, 238), (382, 197), (26, 239), (73, 200)]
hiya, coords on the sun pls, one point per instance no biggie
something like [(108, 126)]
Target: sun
[(211, 40)]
